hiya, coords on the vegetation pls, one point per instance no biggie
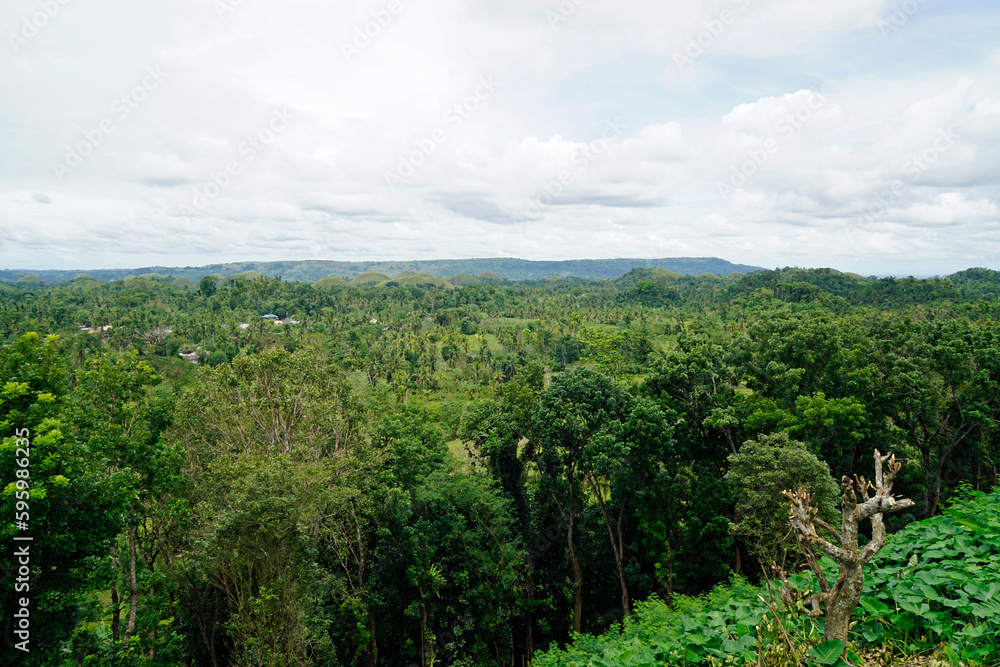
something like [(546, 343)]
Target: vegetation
[(486, 269), (408, 471), (932, 594)]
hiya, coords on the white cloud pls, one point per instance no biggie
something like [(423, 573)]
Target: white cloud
[(951, 208), (650, 188)]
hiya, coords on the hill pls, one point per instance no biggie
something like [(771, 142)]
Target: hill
[(310, 271)]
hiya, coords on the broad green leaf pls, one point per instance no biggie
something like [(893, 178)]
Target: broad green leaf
[(827, 653), (692, 657), (875, 606), (738, 646), (872, 632), (987, 609)]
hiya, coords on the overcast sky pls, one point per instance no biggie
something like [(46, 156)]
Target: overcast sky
[(858, 134)]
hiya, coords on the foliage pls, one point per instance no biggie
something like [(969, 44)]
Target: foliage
[(464, 474), (71, 505), (933, 592), (759, 473)]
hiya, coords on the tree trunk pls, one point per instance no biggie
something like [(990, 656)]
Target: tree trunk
[(838, 602), (616, 545), (577, 577), (207, 627), (115, 611), (843, 599), (529, 621), (424, 658), (372, 649), (152, 633), (116, 606), (133, 585), (210, 637)]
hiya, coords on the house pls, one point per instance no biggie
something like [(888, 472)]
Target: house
[(190, 356)]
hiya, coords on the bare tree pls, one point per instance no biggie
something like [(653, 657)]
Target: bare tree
[(836, 603), (154, 336)]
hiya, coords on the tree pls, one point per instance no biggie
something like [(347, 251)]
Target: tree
[(955, 412), (682, 513), (446, 555), (832, 428), (277, 457), (461, 596), (574, 423), (697, 381), (497, 431), (35, 378), (121, 419), (836, 603), (74, 506), (785, 355), (759, 473), (207, 285)]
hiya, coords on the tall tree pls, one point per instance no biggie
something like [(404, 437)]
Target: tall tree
[(70, 507), (275, 446), (577, 407), (759, 473)]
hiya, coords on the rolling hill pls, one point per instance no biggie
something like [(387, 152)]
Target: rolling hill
[(312, 270)]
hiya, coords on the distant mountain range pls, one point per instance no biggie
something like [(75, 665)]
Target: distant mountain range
[(312, 270)]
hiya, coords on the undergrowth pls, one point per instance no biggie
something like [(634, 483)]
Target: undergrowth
[(933, 592)]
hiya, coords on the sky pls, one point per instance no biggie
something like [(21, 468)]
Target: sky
[(862, 135)]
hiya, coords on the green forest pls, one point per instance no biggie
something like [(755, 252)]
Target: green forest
[(410, 471)]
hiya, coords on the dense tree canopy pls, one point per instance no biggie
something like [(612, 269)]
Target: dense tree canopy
[(415, 474)]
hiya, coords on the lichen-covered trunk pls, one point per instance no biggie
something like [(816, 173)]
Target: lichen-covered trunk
[(843, 599)]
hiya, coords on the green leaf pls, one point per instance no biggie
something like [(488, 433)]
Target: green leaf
[(875, 606), (872, 632), (828, 653), (738, 646), (690, 656), (987, 609)]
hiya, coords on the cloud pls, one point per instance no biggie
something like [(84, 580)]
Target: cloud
[(159, 170), (588, 119), (479, 209)]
